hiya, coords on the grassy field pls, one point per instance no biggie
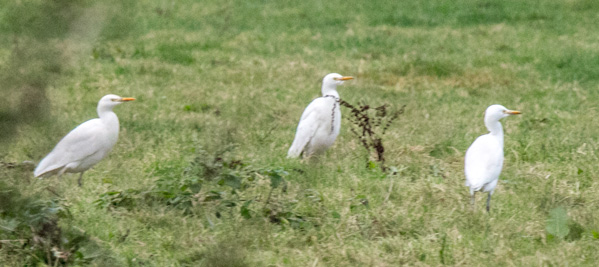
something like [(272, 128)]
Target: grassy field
[(199, 175)]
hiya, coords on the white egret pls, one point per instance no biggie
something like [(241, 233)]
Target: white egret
[(321, 121), (85, 145), (484, 158)]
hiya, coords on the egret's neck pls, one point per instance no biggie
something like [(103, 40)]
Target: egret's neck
[(330, 90), (495, 129), (107, 115)]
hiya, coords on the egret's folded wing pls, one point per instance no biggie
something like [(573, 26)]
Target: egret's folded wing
[(483, 162), (314, 117), (78, 144)]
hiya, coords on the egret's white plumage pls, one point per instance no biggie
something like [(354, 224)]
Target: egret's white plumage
[(484, 158), (321, 121), (85, 145)]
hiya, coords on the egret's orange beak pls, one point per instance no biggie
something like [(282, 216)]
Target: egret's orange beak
[(513, 112), (345, 78), (125, 99)]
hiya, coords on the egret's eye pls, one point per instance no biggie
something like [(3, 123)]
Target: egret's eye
[(335, 78), (114, 99)]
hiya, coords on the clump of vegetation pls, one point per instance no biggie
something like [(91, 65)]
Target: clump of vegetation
[(116, 198), (369, 125), (215, 183), (30, 226)]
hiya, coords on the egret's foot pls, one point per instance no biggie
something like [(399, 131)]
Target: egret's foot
[(79, 181)]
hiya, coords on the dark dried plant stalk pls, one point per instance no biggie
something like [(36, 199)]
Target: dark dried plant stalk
[(370, 127)]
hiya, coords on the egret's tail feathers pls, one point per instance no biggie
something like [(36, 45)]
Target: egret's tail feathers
[(293, 153), (474, 188), (41, 174), (38, 173), (45, 172)]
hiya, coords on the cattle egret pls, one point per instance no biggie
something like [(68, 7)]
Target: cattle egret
[(85, 145), (484, 158), (320, 122)]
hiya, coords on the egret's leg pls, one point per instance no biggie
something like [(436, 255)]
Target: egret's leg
[(489, 202), (79, 180), (61, 172), (472, 192)]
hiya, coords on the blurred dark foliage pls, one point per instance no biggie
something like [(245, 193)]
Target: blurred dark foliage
[(45, 38), (35, 61), (34, 224)]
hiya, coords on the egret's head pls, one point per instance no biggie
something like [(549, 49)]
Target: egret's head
[(497, 112), (109, 101), (331, 81), (334, 79)]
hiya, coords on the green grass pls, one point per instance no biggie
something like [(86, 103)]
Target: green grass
[(214, 74)]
